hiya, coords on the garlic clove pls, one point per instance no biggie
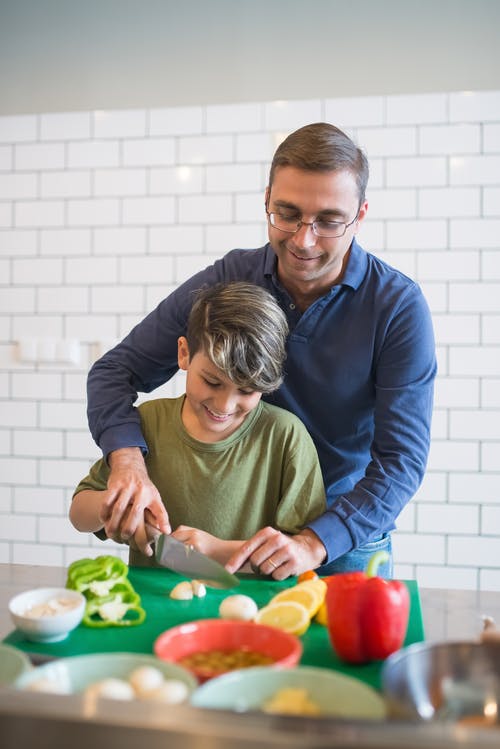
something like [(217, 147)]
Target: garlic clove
[(182, 591), (199, 589)]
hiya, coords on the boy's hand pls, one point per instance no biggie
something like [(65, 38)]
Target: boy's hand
[(216, 548), (129, 494), (201, 541), (277, 554)]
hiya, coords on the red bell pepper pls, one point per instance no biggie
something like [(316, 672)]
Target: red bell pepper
[(367, 615)]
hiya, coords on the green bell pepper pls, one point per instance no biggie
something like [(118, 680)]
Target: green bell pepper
[(111, 598)]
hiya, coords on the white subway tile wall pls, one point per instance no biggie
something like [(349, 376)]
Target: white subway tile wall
[(104, 213)]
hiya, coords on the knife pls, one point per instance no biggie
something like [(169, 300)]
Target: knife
[(188, 561)]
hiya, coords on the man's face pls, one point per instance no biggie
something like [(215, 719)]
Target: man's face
[(307, 263), (214, 406)]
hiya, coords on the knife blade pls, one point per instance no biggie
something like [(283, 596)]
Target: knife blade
[(188, 561)]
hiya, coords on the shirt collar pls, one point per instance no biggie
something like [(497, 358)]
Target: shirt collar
[(355, 269), (270, 261)]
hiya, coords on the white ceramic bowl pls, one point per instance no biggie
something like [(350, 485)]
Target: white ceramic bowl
[(46, 627), (334, 693), (75, 674)]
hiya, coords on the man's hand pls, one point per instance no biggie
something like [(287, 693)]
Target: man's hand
[(274, 553), (143, 538), (129, 495)]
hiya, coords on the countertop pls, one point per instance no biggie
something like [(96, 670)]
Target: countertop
[(27, 719)]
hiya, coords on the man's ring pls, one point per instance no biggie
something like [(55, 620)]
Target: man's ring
[(274, 566)]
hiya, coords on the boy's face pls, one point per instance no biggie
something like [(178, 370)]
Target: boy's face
[(214, 406)]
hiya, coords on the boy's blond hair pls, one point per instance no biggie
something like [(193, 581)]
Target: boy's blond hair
[(242, 329)]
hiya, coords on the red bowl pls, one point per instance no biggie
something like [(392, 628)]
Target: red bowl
[(206, 635)]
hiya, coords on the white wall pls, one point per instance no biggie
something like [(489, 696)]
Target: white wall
[(103, 213)]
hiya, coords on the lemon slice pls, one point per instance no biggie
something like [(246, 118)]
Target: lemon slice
[(318, 585), (290, 616), (322, 615), (308, 598), (310, 594)]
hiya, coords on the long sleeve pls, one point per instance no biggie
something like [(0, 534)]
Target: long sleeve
[(404, 372)]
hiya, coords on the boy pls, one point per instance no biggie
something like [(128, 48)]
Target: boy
[(226, 464)]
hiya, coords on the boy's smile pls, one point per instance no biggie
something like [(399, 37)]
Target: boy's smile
[(214, 406)]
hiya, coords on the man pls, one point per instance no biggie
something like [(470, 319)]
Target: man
[(360, 364)]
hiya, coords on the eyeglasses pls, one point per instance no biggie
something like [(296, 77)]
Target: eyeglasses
[(322, 228)]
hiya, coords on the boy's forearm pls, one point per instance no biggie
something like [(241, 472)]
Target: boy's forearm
[(224, 550), (85, 511)]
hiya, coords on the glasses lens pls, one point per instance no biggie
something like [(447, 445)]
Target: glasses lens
[(320, 228), (329, 228), (285, 223)]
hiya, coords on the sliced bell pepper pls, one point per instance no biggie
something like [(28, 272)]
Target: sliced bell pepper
[(83, 572), (111, 598), (367, 615), (94, 615)]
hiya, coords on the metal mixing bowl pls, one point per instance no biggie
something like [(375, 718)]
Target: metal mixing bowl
[(454, 681)]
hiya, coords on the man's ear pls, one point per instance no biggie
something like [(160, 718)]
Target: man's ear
[(182, 353), (361, 215)]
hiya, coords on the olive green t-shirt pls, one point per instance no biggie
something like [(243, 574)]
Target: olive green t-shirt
[(266, 473)]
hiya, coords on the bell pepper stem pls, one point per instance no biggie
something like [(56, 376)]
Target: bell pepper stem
[(380, 557)]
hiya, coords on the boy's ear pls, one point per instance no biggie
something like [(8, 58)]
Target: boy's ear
[(182, 353)]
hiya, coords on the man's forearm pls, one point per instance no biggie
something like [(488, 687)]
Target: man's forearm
[(314, 545), (127, 457)]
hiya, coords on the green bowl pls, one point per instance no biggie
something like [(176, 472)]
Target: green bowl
[(13, 663), (75, 674), (335, 694)]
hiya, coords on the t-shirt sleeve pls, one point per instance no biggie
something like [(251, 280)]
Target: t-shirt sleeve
[(97, 478), (303, 493)]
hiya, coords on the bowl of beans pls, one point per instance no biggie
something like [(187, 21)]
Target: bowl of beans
[(211, 647)]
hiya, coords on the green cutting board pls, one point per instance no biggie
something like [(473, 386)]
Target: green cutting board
[(154, 586)]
